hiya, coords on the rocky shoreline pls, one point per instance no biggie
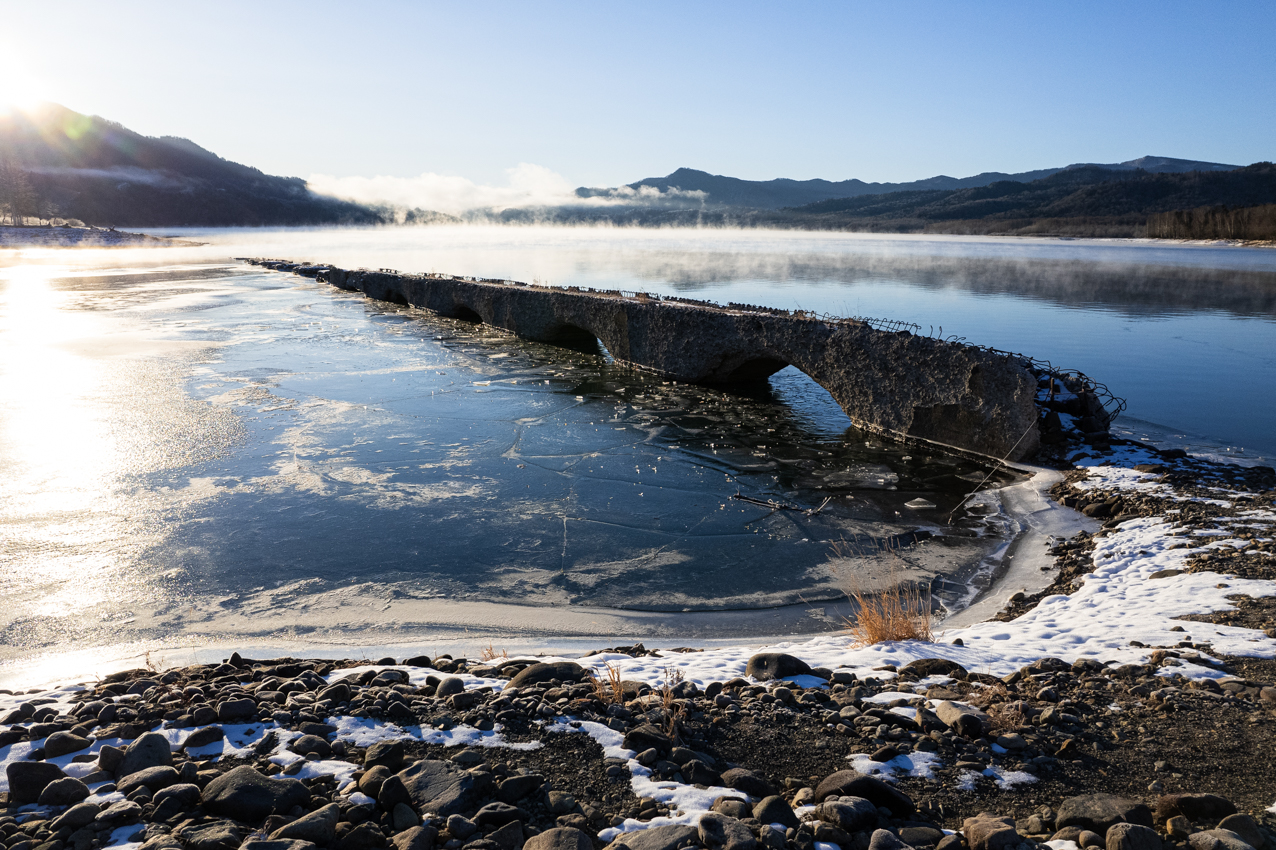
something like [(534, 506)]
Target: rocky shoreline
[(1161, 745)]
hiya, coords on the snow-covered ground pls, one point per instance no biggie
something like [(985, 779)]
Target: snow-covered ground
[(1119, 614)]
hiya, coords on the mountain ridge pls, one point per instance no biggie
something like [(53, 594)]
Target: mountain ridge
[(98, 171), (780, 192)]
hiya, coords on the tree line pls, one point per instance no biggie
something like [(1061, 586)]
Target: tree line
[(1220, 222), (19, 200)]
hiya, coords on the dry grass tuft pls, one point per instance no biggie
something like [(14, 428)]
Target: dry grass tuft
[(673, 711), (903, 611), (609, 691), (488, 653)]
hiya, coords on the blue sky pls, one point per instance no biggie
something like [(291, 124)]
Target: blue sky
[(605, 93)]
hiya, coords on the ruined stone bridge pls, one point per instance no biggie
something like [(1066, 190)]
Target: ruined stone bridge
[(897, 384)]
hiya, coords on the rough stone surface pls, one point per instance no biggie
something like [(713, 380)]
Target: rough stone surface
[(1218, 839), (27, 779), (851, 814), (62, 743), (152, 778), (775, 809), (245, 794), (775, 665), (849, 783), (419, 838), (434, 787), (748, 782), (719, 832), (563, 671), (657, 838), (1194, 807), (895, 383), (962, 719), (77, 816), (884, 839), (318, 827), (986, 831), (1131, 836), (204, 737), (149, 750), (63, 792), (215, 836), (560, 838), (1244, 826), (1099, 812)]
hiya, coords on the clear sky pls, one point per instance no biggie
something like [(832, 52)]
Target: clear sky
[(607, 93)]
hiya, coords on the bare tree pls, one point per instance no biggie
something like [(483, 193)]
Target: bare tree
[(18, 199)]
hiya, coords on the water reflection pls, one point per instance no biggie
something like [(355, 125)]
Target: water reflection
[(212, 452)]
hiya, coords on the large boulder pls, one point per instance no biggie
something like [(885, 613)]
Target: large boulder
[(774, 809), (986, 831), (27, 779), (849, 783), (1131, 836), (563, 671), (149, 750), (884, 839), (849, 814), (151, 778), (1099, 812), (924, 667), (720, 832), (962, 719), (435, 787), (77, 816), (222, 835), (63, 792), (318, 827), (647, 737), (203, 737), (1194, 807), (423, 837), (656, 838), (1218, 839), (766, 666), (63, 743), (560, 838), (247, 795), (1244, 826), (747, 781)]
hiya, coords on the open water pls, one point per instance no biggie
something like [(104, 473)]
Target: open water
[(198, 452)]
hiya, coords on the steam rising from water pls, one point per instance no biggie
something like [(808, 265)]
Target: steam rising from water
[(529, 186)]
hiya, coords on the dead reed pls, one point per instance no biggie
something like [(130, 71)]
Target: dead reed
[(901, 611)]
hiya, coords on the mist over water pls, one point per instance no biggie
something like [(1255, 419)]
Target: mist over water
[(197, 451)]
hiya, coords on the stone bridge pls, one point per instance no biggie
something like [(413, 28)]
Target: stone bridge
[(897, 384)]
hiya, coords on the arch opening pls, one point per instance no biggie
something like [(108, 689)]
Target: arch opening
[(574, 338), (394, 297), (465, 314), (754, 371)]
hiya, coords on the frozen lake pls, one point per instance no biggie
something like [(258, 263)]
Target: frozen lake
[(200, 452)]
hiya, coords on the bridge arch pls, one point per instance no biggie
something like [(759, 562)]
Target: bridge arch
[(464, 314)]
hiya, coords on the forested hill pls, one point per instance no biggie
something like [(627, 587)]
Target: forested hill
[(1087, 192), (84, 167), (715, 190)]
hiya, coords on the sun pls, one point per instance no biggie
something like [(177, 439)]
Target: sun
[(19, 94)]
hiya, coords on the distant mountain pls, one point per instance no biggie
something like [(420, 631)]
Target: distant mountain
[(88, 168), (1083, 192), (688, 187)]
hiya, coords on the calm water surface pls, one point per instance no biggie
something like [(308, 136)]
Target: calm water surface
[(198, 451)]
